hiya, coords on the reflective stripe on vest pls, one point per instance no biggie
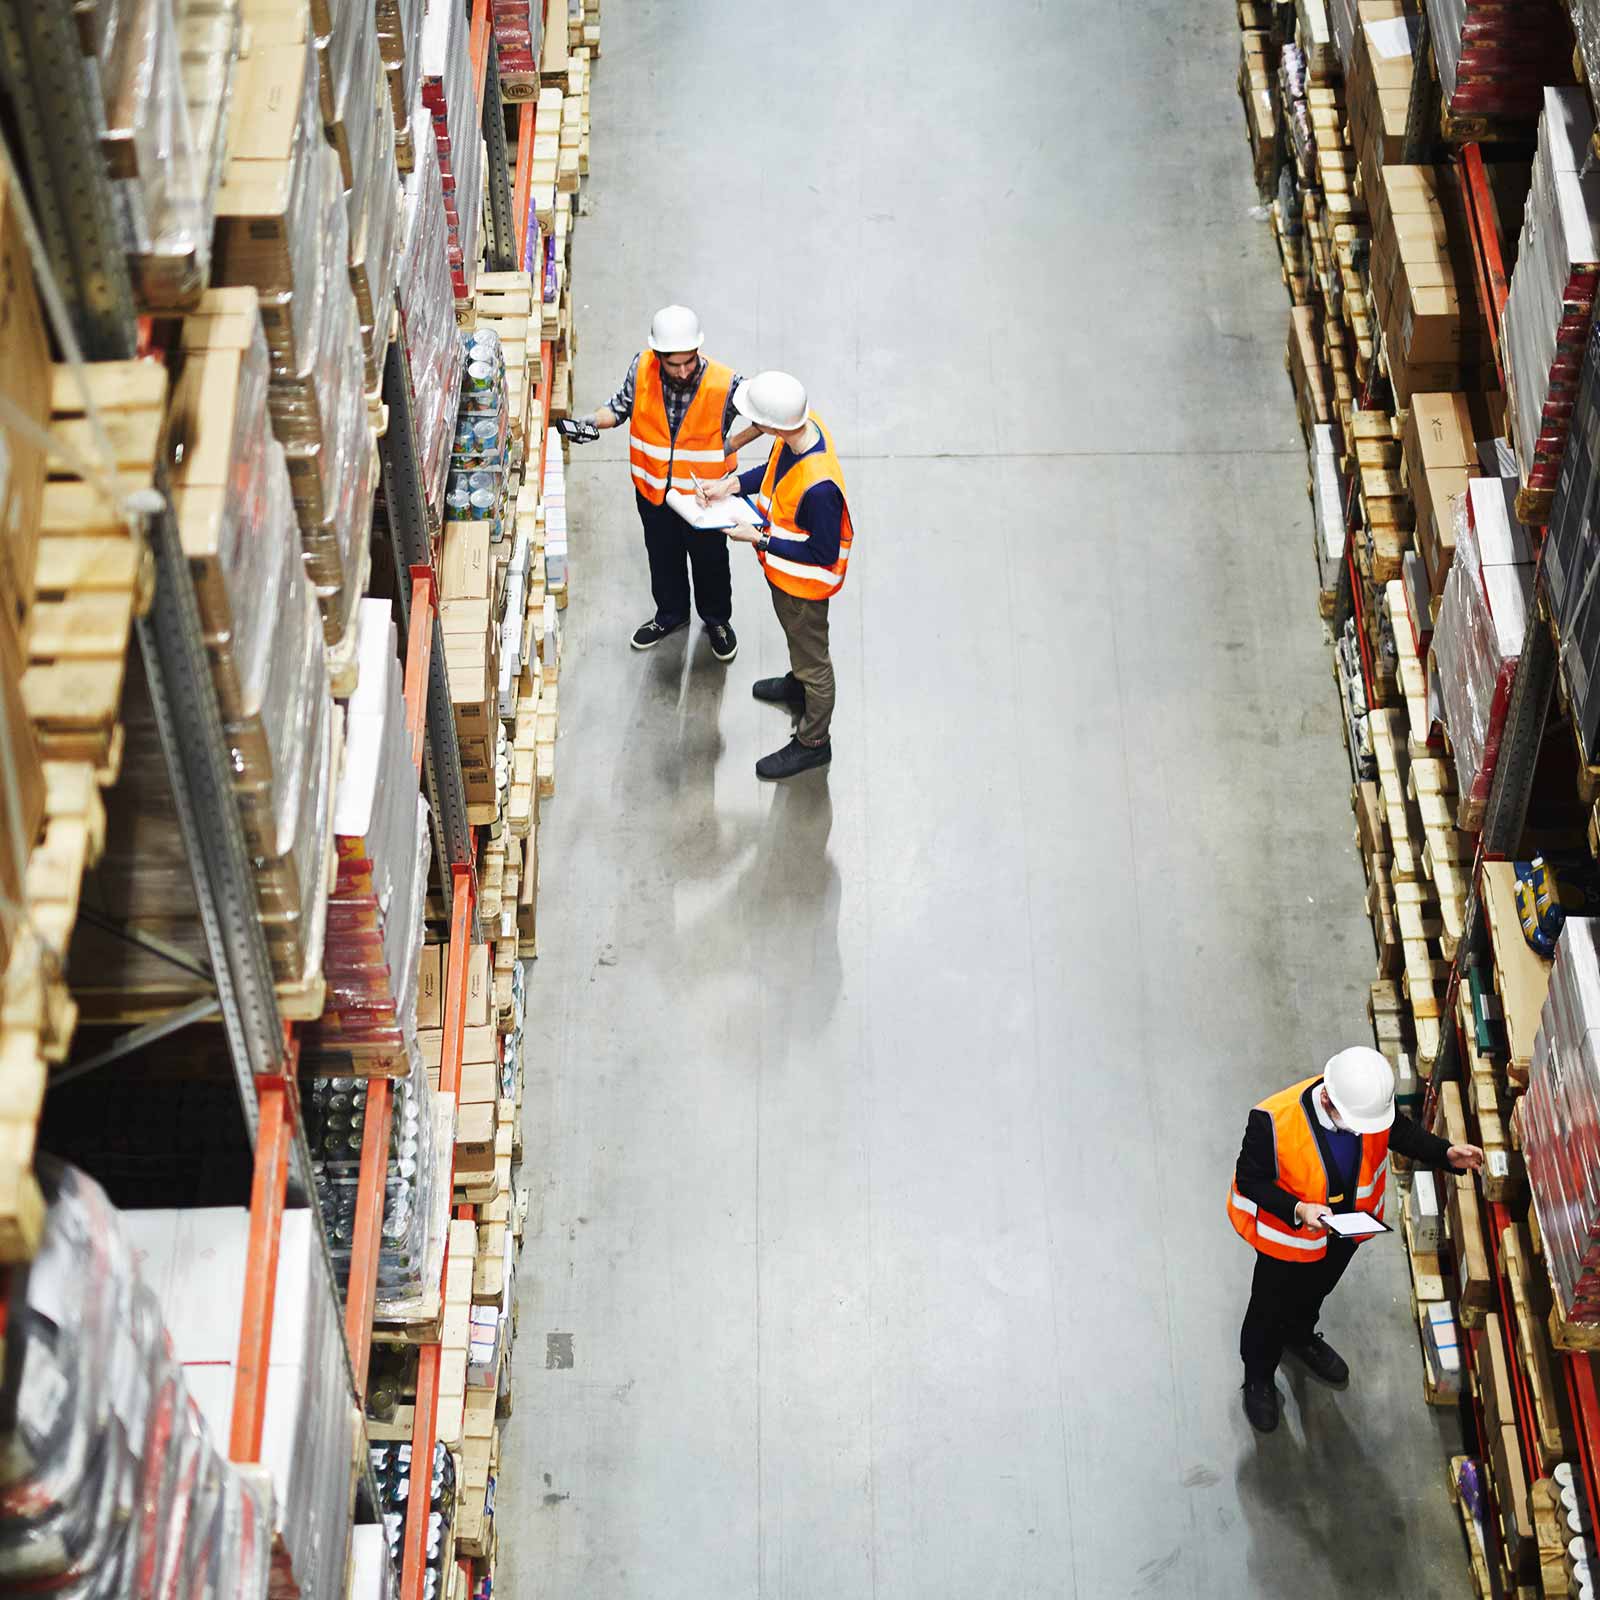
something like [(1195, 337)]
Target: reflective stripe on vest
[(1301, 1172), (654, 456), (779, 502)]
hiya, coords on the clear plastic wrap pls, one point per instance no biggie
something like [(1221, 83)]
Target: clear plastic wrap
[(1548, 309), (1476, 644), (427, 313), (335, 1124), (110, 1484), (384, 847), (391, 1466), (1494, 59), (163, 180), (399, 46), (1560, 1123), (518, 34), (451, 100)]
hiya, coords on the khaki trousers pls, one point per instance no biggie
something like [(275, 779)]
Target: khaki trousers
[(805, 626)]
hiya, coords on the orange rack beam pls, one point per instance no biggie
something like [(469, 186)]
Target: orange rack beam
[(268, 1190)]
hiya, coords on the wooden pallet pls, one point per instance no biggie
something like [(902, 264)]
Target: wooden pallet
[(94, 573)]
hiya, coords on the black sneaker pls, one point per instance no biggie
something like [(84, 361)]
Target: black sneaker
[(785, 691), (794, 759), (1261, 1404), (651, 633), (1322, 1361), (724, 643)]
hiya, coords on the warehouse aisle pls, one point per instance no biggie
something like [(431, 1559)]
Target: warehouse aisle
[(880, 1124)]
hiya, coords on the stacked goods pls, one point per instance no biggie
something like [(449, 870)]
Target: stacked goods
[(283, 230), (163, 73), (1440, 455), (546, 173), (1434, 334), (264, 642), (1478, 639), (1378, 88), (111, 1483), (399, 24), (1560, 1124), (360, 126), (414, 1210), (383, 846), (1495, 59), (477, 508), (1327, 491), (282, 738), (451, 101), (196, 1261), (427, 314), (1551, 301), (1586, 25), (553, 502), (1572, 558), (518, 36), (391, 1466)]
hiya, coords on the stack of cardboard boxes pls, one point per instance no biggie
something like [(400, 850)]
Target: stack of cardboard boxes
[(1434, 334), (1441, 453), (472, 656)]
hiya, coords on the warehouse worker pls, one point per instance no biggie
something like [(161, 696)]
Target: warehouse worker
[(1316, 1150), (679, 408), (804, 548)]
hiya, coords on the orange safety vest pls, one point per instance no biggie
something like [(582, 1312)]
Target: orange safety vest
[(1301, 1171), (779, 502), (699, 451)]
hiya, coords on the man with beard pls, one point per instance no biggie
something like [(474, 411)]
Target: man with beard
[(679, 409)]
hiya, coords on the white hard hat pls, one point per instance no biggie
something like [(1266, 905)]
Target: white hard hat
[(1360, 1083), (772, 399), (675, 328)]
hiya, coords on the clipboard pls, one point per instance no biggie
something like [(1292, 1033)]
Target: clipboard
[(720, 515)]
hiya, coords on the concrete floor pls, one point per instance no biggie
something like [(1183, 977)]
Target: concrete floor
[(880, 1125)]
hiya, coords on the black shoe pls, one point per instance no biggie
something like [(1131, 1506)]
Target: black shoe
[(651, 633), (1322, 1361), (724, 645), (794, 759), (784, 691), (1261, 1404)]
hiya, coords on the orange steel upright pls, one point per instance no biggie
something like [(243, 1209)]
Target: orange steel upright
[(274, 1135)]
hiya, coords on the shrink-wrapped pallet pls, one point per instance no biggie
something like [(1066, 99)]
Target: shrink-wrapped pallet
[(111, 1480), (1545, 324), (1477, 640)]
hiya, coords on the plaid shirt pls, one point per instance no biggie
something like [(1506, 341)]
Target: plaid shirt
[(677, 398)]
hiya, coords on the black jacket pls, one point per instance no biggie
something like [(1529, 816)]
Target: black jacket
[(1256, 1175)]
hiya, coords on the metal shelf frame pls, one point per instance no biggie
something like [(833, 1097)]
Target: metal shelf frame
[(70, 195)]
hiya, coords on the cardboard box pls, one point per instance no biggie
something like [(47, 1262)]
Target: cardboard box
[(1511, 1497), (480, 1042), (25, 383), (480, 1083), (466, 571), (480, 988), (430, 987), (475, 1133), (252, 243), (1492, 1365), (1423, 1213)]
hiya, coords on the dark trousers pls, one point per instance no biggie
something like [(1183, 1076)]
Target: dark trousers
[(674, 548), (1285, 1301), (805, 626)]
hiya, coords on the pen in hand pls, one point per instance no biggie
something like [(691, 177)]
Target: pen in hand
[(700, 496)]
